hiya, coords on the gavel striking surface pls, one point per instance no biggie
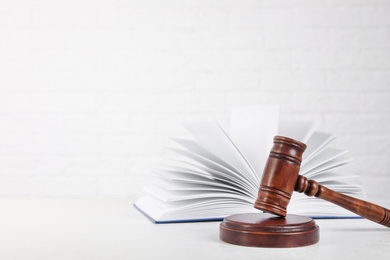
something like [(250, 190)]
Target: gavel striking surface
[(266, 230)]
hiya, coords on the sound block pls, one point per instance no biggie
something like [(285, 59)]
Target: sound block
[(266, 230)]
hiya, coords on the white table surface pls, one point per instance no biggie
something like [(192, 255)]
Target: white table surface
[(113, 229)]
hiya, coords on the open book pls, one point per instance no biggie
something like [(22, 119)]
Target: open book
[(213, 174)]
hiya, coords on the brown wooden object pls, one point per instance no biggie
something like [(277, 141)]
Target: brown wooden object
[(280, 179), (266, 230)]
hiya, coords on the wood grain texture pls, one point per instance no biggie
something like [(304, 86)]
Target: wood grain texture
[(280, 174), (280, 179), (266, 230), (362, 208)]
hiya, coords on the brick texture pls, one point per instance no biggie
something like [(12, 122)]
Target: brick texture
[(91, 90)]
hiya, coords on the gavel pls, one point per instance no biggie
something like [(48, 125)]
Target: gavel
[(281, 177)]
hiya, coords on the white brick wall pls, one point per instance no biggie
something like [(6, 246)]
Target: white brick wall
[(90, 90)]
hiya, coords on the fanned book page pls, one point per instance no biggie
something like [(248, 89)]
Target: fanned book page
[(216, 174)]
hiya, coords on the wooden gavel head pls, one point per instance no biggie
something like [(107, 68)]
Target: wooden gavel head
[(280, 175)]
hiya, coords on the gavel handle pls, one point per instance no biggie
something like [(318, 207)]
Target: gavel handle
[(362, 208)]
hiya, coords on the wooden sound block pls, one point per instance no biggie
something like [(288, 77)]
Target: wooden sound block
[(266, 230)]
